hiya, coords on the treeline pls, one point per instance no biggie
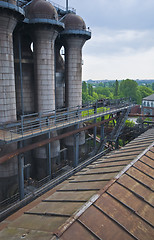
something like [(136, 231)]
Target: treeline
[(116, 89)]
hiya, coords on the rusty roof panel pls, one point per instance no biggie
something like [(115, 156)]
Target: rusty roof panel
[(67, 208), (132, 201), (144, 168), (147, 161), (137, 188), (125, 206), (101, 225), (108, 164), (77, 231), (71, 196), (141, 177), (38, 222), (150, 154), (14, 234), (126, 218)]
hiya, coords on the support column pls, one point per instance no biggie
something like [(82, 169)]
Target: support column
[(9, 169), (73, 70), (76, 148), (44, 65), (73, 80), (102, 129), (21, 175), (7, 80), (95, 128), (60, 83)]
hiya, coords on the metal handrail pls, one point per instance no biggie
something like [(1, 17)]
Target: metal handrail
[(44, 121)]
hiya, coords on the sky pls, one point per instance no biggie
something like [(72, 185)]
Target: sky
[(122, 43)]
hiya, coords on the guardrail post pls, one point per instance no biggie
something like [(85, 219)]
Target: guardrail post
[(95, 128), (55, 116), (22, 124), (21, 173), (40, 120), (76, 148), (117, 143), (102, 129), (49, 155)]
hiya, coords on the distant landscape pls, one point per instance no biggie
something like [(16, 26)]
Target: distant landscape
[(93, 90)]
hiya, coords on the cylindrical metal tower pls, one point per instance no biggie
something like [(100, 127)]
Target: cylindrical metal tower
[(9, 16), (74, 37), (45, 26)]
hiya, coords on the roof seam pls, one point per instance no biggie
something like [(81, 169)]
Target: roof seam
[(136, 194), (118, 223), (130, 209)]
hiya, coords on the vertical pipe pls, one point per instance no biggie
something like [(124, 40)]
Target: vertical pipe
[(66, 5), (76, 148), (102, 129), (21, 174), (20, 70), (95, 128), (117, 144), (49, 156)]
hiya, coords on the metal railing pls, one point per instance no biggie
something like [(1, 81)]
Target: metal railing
[(38, 123)]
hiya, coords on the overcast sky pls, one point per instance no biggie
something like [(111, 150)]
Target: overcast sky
[(122, 43)]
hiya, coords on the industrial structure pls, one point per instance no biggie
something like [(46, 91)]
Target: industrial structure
[(43, 123), (58, 179), (33, 75)]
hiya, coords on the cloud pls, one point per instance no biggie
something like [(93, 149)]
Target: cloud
[(114, 42), (133, 66), (115, 14), (122, 44)]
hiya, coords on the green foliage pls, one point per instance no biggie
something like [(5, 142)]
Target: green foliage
[(116, 88), (129, 123), (128, 89), (145, 91), (90, 90), (84, 87)]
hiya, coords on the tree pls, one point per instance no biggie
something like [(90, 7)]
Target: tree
[(128, 88), (145, 91), (90, 90), (84, 87), (116, 89)]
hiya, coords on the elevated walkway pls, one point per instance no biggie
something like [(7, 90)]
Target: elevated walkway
[(33, 125)]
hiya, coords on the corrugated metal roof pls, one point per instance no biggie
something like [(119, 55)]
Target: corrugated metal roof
[(123, 203), (124, 210)]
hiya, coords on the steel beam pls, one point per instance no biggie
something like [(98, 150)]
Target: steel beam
[(46, 141)]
